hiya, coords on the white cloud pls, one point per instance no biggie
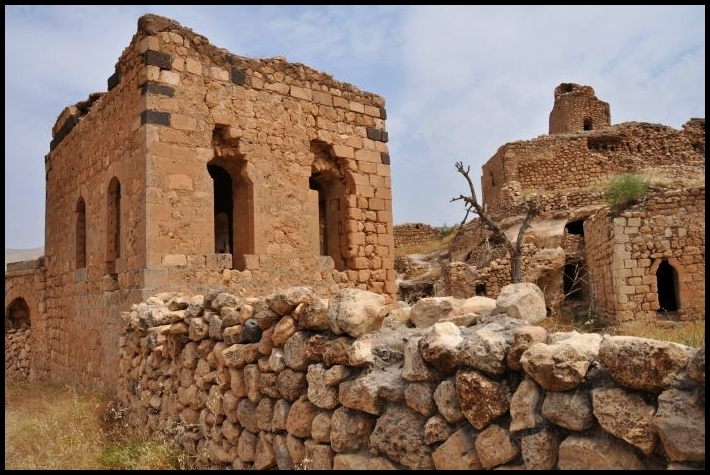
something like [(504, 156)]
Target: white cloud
[(459, 81)]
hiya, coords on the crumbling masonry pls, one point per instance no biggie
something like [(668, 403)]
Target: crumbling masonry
[(644, 264)]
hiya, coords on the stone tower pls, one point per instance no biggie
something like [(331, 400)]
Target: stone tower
[(577, 109)]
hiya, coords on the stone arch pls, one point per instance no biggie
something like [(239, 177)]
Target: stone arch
[(17, 315), (669, 273), (330, 185), (24, 294)]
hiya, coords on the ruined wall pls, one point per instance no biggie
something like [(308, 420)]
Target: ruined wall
[(414, 233), (576, 108), (291, 380), (25, 287), (572, 162), (485, 273), (668, 225)]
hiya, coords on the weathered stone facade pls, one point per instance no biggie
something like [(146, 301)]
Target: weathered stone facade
[(200, 169), (566, 172)]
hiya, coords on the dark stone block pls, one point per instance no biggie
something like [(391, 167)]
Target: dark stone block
[(374, 134), (385, 158), (239, 77), (158, 89), (113, 80), (155, 117), (64, 131), (156, 58)]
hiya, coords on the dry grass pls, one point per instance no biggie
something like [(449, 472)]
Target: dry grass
[(425, 247), (686, 333), (52, 427)]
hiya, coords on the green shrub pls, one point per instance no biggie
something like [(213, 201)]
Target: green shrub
[(445, 231), (624, 190)]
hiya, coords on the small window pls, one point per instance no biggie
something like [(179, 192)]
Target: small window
[(481, 289), (80, 234), (113, 220)]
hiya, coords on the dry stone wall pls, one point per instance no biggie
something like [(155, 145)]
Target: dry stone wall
[(295, 381), (414, 233), (573, 162), (18, 354)]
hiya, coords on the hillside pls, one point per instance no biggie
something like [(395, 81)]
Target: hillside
[(18, 255)]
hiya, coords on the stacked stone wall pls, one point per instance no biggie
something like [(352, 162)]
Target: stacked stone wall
[(668, 225), (572, 162), (291, 381), (409, 234), (18, 354), (484, 273)]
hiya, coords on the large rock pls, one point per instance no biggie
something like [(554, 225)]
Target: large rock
[(356, 312), (524, 301)]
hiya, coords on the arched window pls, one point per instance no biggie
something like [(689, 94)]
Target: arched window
[(233, 209), (113, 220), (80, 234)]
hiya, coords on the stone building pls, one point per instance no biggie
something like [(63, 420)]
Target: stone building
[(642, 264), (199, 169)]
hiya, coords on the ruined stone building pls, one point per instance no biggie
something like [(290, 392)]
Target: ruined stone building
[(199, 169), (643, 264)]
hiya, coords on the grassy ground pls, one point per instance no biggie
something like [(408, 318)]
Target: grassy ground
[(51, 427)]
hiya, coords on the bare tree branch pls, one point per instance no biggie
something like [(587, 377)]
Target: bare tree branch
[(471, 204)]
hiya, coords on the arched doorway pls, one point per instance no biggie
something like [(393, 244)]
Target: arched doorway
[(17, 315), (667, 282)]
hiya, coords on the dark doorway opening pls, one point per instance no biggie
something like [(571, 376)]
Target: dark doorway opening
[(666, 280)]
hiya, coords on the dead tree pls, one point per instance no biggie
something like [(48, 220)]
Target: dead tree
[(515, 250)]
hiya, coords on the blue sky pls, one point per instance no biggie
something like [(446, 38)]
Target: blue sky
[(458, 81)]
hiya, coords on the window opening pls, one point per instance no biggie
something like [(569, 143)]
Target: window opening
[(80, 234), (113, 220)]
